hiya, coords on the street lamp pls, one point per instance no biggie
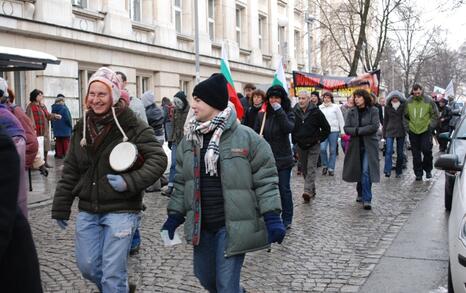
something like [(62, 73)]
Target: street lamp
[(309, 20)]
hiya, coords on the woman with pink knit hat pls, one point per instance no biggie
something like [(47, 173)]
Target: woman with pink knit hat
[(110, 201)]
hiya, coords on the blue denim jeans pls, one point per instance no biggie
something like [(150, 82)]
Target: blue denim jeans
[(286, 197), (328, 161), (102, 246), (366, 183), (216, 272), (171, 177), (399, 154)]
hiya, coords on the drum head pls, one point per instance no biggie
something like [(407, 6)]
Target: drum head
[(123, 156)]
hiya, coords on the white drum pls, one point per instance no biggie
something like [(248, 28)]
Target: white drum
[(124, 157)]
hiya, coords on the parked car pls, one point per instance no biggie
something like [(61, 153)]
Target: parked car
[(456, 146), (456, 224)]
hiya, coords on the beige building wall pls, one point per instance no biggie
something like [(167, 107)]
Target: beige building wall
[(153, 43)]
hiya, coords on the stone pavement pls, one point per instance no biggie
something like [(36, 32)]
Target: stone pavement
[(333, 245)]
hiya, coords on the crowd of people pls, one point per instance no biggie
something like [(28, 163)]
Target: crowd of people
[(229, 181)]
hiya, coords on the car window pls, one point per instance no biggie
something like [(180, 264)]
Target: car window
[(461, 130)]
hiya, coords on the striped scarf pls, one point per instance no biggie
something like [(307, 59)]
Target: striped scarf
[(195, 134)]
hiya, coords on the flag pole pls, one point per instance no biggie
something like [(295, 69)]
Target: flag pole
[(263, 124)]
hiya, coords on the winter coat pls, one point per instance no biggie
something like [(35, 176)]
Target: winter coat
[(421, 114), (32, 146), (249, 182), (85, 170), (250, 116), (310, 128), (179, 118), (153, 113), (168, 121), (394, 124), (444, 118), (278, 126), (366, 132), (137, 106), (62, 127), (19, 266), (334, 117)]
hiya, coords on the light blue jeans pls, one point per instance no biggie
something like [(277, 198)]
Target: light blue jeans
[(328, 161), (216, 272), (102, 247)]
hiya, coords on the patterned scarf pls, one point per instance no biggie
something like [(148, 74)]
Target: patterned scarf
[(195, 134), (98, 126), (198, 129), (40, 115)]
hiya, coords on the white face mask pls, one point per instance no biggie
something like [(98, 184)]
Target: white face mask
[(395, 105)]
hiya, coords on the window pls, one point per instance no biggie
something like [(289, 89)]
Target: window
[(79, 3), (297, 45), (281, 40), (261, 32), (211, 19), (239, 12), (184, 86), (177, 11), (135, 10)]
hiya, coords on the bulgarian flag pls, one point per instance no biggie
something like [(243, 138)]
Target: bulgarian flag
[(225, 70), (279, 76)]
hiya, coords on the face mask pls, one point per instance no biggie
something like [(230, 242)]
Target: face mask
[(395, 105)]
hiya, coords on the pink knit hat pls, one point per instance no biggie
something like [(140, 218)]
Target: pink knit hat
[(109, 78)]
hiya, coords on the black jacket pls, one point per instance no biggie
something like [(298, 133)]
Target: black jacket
[(444, 118), (250, 116), (310, 127), (277, 128), (19, 267)]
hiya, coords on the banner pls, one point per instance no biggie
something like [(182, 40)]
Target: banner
[(343, 86)]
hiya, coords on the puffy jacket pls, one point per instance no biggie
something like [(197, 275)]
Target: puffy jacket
[(62, 127), (32, 146), (310, 128), (179, 118), (249, 182), (85, 171)]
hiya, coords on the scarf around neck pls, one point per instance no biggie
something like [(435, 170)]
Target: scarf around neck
[(98, 126), (196, 131)]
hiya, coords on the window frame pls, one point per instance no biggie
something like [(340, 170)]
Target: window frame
[(239, 24), (211, 19), (178, 9), (131, 10), (79, 3)]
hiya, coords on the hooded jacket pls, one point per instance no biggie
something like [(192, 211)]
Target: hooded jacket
[(278, 126), (180, 114), (394, 124), (153, 113), (62, 127)]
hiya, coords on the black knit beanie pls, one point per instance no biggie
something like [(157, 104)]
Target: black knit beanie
[(277, 91), (213, 91)]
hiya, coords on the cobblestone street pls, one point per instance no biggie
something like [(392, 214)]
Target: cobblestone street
[(333, 245)]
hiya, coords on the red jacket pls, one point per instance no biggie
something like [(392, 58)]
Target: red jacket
[(31, 139)]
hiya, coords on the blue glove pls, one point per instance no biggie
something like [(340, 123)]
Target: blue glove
[(63, 224), (117, 182), (275, 228), (276, 106), (172, 222)]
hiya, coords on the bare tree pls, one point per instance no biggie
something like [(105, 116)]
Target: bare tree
[(412, 44), (345, 31)]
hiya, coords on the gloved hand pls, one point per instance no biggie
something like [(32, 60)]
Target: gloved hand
[(276, 106), (117, 182), (275, 228), (172, 222), (62, 224)]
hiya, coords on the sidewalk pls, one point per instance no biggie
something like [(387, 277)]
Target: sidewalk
[(417, 260)]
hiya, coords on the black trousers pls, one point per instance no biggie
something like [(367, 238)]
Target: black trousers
[(421, 147)]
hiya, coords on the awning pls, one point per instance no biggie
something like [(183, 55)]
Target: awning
[(14, 59)]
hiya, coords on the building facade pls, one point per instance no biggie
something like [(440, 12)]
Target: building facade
[(152, 42)]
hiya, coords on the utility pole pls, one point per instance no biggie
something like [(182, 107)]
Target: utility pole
[(196, 40)]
